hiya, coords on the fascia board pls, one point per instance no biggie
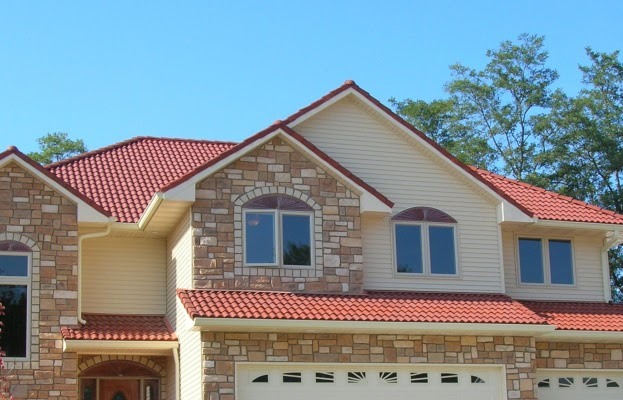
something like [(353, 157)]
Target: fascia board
[(119, 346), (314, 326)]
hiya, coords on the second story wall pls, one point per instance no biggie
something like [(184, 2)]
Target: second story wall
[(408, 176), (276, 169), (588, 282), (124, 275)]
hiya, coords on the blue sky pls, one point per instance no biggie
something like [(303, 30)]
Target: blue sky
[(108, 71)]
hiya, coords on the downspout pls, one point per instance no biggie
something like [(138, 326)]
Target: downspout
[(176, 361), (616, 239), (80, 239)]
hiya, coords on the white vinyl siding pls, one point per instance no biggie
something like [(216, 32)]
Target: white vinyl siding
[(587, 268), (179, 275), (123, 275), (399, 169), (179, 263)]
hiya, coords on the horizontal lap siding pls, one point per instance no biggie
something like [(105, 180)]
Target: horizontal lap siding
[(179, 264), (124, 275), (409, 178), (588, 272)]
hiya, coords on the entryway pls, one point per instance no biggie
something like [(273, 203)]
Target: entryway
[(119, 380)]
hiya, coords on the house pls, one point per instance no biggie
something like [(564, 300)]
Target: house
[(338, 253)]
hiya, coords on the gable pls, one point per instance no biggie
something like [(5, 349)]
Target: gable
[(390, 162), (87, 210)]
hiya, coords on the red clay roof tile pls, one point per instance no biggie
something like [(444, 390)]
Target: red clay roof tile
[(121, 327), (373, 306), (549, 205), (122, 178), (580, 316)]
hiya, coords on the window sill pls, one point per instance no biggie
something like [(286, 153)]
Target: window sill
[(413, 275)]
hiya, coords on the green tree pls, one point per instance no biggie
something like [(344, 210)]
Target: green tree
[(55, 147), (440, 121), (495, 117), (586, 156)]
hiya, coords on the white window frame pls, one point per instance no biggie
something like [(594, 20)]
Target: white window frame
[(547, 271), (426, 257), (278, 239), (22, 281)]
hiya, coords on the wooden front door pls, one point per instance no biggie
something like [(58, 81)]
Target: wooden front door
[(120, 389)]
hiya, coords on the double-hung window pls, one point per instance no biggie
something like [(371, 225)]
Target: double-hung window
[(545, 261), (15, 270), (425, 242), (278, 231)]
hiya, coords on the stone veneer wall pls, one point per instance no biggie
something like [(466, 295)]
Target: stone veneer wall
[(579, 355), (34, 214), (222, 350), (276, 168)]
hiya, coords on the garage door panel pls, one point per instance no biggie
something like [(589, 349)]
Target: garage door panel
[(363, 382), (572, 385)]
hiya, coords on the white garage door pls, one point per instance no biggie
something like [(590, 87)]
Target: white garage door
[(366, 382), (587, 384)]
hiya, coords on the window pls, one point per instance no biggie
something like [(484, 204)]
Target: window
[(15, 297), (425, 242), (545, 261), (278, 231)]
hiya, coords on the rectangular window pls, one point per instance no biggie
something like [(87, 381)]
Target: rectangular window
[(546, 261), (296, 239), (441, 243), (531, 260), (560, 262), (409, 249), (260, 238), (14, 296), (278, 237), (421, 248)]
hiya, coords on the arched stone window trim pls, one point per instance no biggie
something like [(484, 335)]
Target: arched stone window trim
[(18, 243), (258, 196)]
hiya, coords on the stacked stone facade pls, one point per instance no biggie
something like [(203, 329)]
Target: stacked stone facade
[(579, 355), (222, 350), (276, 168), (35, 215)]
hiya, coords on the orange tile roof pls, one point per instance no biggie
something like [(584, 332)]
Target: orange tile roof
[(549, 205), (122, 178), (121, 327), (373, 306), (580, 316)]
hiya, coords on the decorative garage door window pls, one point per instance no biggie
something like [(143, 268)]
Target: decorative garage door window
[(362, 382), (579, 385)]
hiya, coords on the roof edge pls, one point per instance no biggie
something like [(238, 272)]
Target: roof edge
[(255, 140), (58, 184), (325, 326), (349, 84)]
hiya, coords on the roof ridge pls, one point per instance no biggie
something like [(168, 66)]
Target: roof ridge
[(95, 152), (126, 142)]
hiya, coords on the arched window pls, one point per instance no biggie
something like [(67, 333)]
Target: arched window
[(278, 232), (424, 242), (15, 271)]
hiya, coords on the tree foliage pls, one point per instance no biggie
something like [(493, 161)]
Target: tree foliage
[(57, 146), (508, 117), (586, 156)]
